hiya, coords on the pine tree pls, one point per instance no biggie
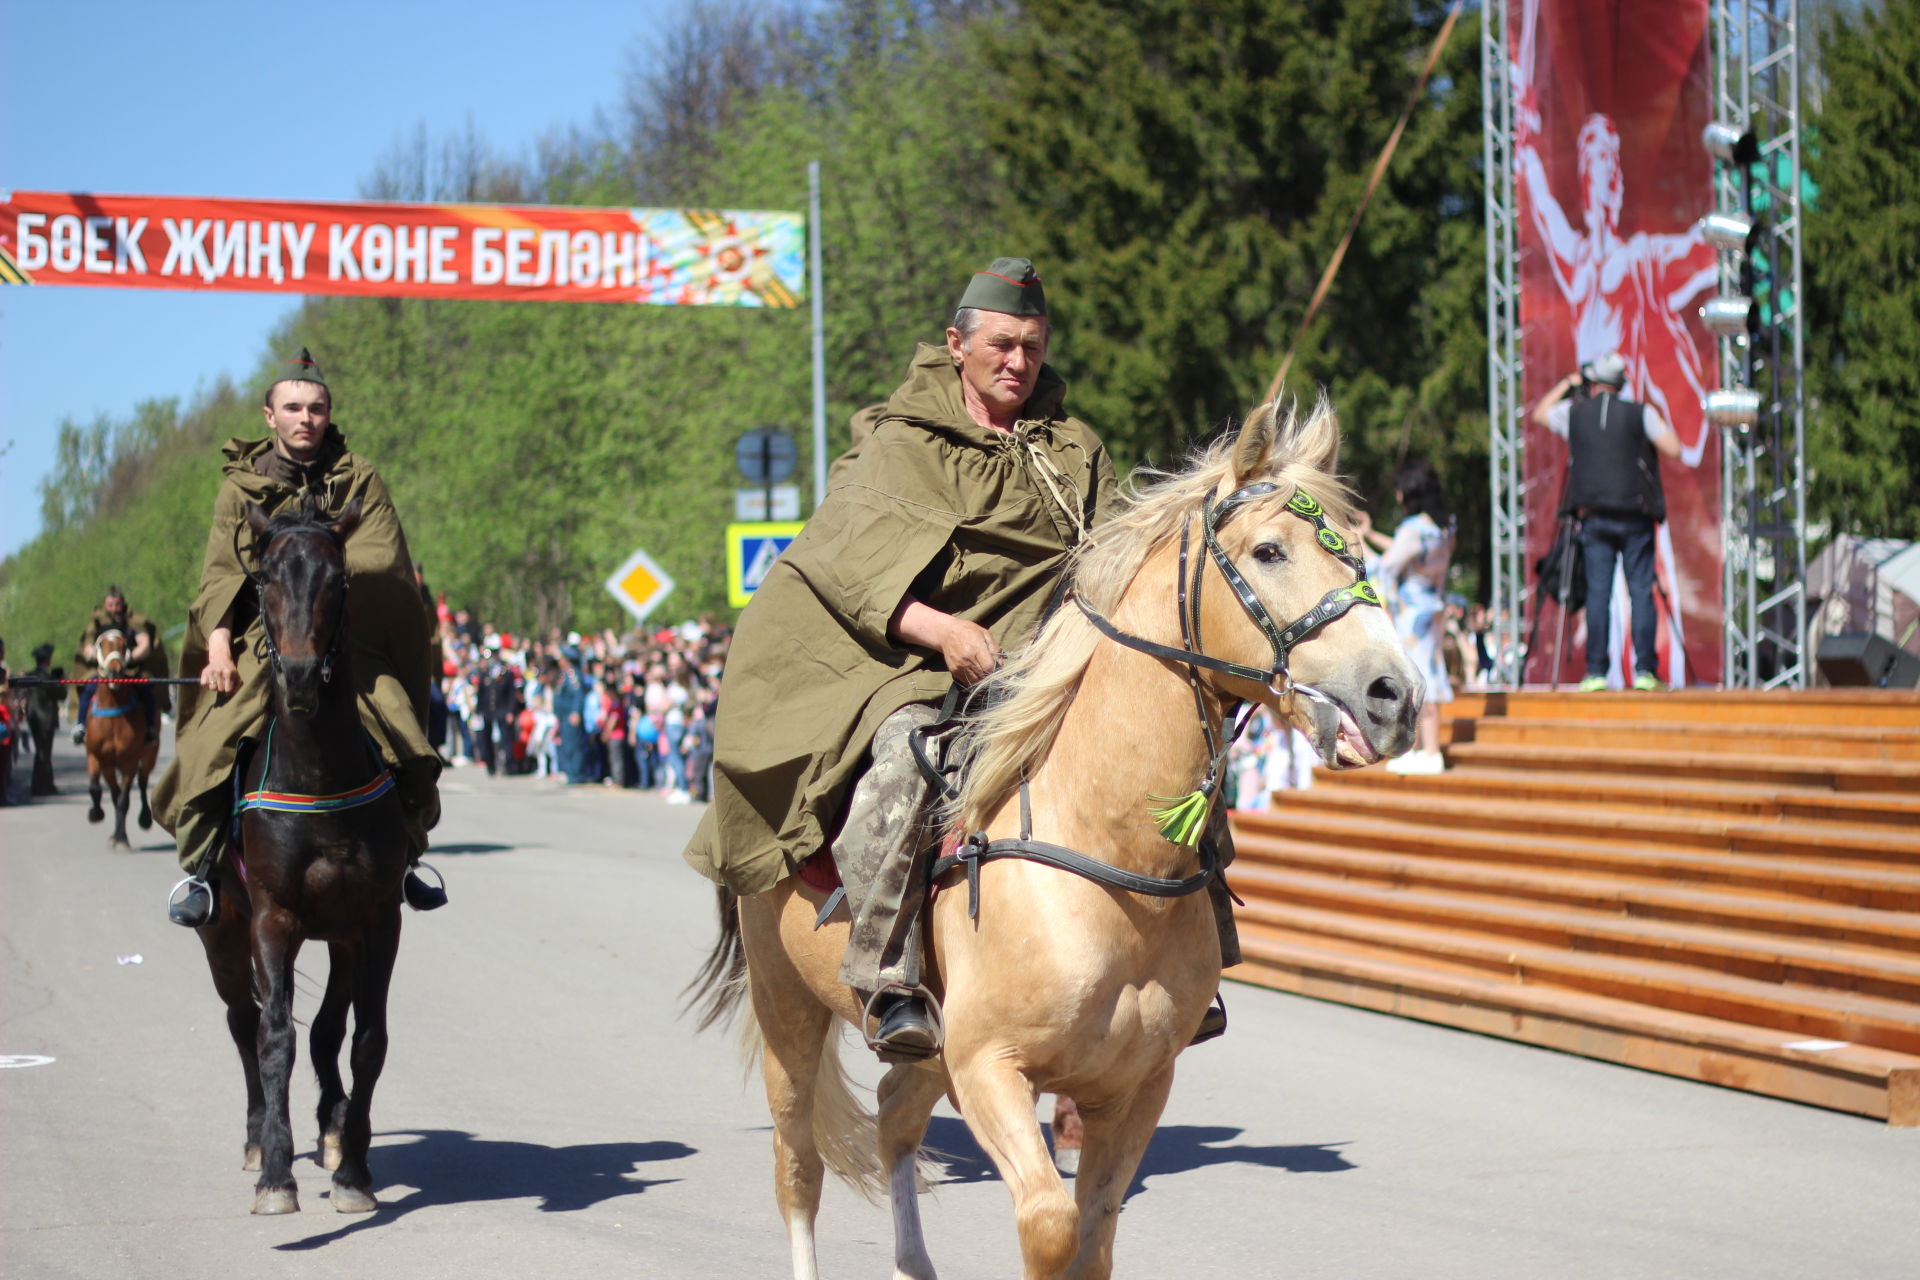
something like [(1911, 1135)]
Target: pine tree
[(1181, 174), (1863, 275)]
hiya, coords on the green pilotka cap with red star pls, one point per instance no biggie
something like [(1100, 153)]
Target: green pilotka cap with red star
[(1008, 285), (302, 368)]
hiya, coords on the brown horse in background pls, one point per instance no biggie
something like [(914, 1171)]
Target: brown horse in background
[(117, 748), (1063, 984)]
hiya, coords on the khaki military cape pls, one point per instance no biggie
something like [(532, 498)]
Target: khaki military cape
[(155, 664), (935, 505), (388, 625)]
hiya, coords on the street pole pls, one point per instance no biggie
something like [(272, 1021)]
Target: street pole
[(819, 339)]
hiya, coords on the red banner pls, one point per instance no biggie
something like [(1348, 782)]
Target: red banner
[(685, 257), (1610, 97)]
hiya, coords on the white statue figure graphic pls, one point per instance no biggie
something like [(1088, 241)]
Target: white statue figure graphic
[(1627, 293)]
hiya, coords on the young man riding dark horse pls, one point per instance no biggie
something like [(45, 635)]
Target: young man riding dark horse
[(937, 548), (303, 463), (146, 656)]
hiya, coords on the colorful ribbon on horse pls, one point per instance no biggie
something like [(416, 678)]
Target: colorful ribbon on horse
[(104, 712), (290, 802)]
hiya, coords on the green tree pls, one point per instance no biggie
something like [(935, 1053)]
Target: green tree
[(1182, 173), (1863, 276)]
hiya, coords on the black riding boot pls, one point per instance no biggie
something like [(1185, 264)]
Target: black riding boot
[(196, 906), (420, 895)]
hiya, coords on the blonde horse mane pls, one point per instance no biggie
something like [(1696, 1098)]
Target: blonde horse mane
[(1029, 696)]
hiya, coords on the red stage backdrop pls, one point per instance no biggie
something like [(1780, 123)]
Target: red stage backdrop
[(1610, 97), (686, 257)]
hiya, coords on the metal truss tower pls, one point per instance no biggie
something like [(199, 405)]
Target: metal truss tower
[(1763, 485), (1508, 525)]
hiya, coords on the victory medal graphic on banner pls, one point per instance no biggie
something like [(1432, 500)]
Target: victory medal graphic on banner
[(660, 257)]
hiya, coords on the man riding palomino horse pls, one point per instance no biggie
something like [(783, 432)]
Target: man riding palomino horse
[(303, 463), (938, 548), (146, 659)]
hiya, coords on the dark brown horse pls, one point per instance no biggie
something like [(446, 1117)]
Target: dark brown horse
[(321, 856), (118, 753)]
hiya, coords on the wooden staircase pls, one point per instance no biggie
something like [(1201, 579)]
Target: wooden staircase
[(1723, 886)]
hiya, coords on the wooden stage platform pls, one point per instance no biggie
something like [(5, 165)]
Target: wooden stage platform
[(1722, 886)]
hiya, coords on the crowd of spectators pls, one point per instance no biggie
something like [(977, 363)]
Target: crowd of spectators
[(630, 711)]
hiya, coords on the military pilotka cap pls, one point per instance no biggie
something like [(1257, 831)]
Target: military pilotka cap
[(302, 368), (1008, 285)]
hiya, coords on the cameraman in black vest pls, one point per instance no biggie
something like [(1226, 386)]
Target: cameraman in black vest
[(1613, 491)]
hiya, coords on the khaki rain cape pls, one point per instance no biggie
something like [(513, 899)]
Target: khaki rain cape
[(936, 505), (390, 631)]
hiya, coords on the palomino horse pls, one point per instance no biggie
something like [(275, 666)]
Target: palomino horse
[(321, 856), (1060, 982), (118, 752)]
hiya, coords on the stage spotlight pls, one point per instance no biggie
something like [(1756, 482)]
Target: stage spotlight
[(1731, 317), (1728, 232), (1730, 143), (1735, 407)]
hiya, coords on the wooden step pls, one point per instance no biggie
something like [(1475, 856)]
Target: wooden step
[(1799, 1010), (1641, 792), (1838, 775), (1849, 1077), (1884, 707), (1329, 905), (1720, 885), (1263, 859), (1816, 742), (1851, 884), (1806, 839)]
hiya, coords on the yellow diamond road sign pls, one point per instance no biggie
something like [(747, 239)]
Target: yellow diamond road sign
[(640, 584)]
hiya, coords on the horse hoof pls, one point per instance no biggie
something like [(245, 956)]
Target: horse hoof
[(146, 822), (271, 1200), (118, 845), (96, 815), (330, 1152), (353, 1200), (251, 1162)]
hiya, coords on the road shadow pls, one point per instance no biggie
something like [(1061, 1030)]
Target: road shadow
[(448, 850), (1176, 1148), (450, 1167)]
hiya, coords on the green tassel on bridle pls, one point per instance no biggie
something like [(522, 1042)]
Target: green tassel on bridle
[(1182, 820)]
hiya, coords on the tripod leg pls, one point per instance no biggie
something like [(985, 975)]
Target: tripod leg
[(1570, 527)]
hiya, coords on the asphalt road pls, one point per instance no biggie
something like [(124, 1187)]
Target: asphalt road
[(545, 1113)]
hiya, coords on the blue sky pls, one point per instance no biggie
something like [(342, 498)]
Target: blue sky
[(200, 98)]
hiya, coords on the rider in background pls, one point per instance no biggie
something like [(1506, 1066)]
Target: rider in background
[(146, 656), (303, 459)]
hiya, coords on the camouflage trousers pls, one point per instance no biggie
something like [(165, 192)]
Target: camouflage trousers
[(888, 842), (883, 851)]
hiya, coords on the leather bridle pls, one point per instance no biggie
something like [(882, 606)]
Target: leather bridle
[(1333, 605), (978, 849), (268, 648)]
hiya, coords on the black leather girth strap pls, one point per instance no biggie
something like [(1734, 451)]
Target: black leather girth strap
[(978, 849)]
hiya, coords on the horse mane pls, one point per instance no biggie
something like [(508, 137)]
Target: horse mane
[(297, 517), (1028, 697)]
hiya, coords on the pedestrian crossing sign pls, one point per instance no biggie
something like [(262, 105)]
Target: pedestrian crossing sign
[(751, 550)]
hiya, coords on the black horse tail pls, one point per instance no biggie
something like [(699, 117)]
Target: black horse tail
[(718, 988)]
